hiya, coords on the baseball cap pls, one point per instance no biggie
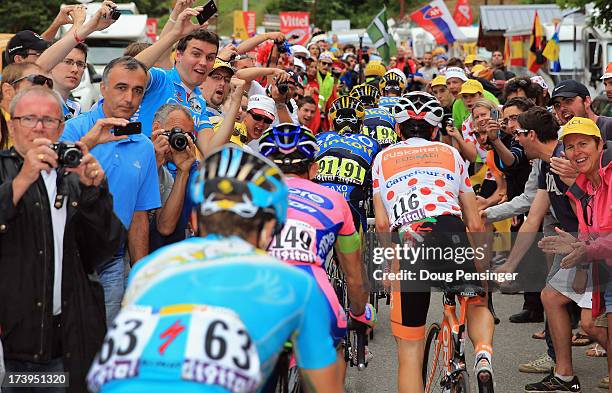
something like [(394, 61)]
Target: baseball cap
[(469, 59), (477, 68), (299, 49), (375, 68), (326, 56), (262, 105), (471, 86), (299, 63), (24, 40), (569, 89), (455, 72), (608, 73), (222, 64), (319, 38), (439, 80), (580, 125)]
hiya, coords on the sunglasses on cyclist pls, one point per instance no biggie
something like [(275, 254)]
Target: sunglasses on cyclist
[(257, 117), (520, 131), (38, 80)]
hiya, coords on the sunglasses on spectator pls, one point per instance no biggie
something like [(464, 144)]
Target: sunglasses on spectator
[(520, 131), (257, 117), (326, 64), (38, 80)]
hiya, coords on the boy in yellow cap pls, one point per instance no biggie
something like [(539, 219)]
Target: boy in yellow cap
[(471, 91)]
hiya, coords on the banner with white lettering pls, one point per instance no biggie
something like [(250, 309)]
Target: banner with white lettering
[(295, 26)]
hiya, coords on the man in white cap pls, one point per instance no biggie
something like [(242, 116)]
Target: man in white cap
[(300, 52), (260, 115)]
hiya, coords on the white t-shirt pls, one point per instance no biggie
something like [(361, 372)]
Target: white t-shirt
[(58, 221), (417, 179), (256, 88)]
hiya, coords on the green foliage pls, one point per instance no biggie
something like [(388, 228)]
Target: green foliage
[(602, 18)]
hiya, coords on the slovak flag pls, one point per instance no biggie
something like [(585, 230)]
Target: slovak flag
[(436, 19)]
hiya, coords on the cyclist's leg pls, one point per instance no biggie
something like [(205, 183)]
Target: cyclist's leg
[(408, 319)]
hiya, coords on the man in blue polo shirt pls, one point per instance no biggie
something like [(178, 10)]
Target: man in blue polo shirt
[(129, 163), (195, 56)]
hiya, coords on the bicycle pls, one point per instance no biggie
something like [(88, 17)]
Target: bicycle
[(444, 360)]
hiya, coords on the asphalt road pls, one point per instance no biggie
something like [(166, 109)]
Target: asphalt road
[(513, 345)]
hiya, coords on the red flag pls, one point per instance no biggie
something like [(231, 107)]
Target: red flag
[(463, 13)]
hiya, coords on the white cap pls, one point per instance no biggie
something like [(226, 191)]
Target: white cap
[(295, 49), (320, 37), (608, 73), (455, 72), (299, 63), (540, 81), (262, 105)]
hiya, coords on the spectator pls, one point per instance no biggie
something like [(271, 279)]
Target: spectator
[(538, 80), (58, 224), (196, 51), (521, 87), (455, 77), (260, 115), (307, 108), (129, 162), (428, 71), (25, 47), (500, 72), (18, 76), (175, 168), (215, 88), (325, 79), (314, 50), (444, 96), (571, 98), (66, 77), (607, 81)]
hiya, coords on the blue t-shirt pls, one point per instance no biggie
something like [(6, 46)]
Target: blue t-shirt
[(210, 315), (70, 109), (166, 87), (129, 165)]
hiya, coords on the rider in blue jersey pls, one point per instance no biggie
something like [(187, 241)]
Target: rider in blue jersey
[(345, 157), (212, 313)]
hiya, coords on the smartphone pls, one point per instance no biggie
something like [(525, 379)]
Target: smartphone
[(130, 129), (209, 10), (495, 114)]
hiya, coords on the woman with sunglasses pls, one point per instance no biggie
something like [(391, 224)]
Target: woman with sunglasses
[(591, 197)]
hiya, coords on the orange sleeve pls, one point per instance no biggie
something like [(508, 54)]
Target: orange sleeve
[(490, 161)]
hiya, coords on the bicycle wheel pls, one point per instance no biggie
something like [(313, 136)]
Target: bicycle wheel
[(462, 383), (433, 361)]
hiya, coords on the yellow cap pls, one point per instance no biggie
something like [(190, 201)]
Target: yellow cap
[(222, 64), (439, 80), (580, 125), (477, 68), (375, 68), (469, 59), (438, 51), (471, 86)]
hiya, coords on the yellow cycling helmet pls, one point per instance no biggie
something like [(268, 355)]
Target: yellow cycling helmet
[(375, 68), (392, 79), (347, 113), (366, 93)]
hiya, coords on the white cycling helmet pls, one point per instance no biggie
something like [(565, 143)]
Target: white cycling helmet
[(418, 105)]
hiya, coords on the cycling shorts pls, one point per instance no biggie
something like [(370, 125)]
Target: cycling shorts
[(337, 315), (409, 305)]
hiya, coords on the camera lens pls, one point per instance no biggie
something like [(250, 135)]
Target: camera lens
[(71, 157), (283, 88), (178, 141)]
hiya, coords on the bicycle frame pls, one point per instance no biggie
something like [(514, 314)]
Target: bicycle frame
[(452, 343)]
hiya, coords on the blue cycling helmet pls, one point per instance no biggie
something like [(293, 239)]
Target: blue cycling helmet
[(288, 144), (230, 172)]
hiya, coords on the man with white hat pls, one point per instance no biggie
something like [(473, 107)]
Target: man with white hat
[(260, 115), (300, 52)]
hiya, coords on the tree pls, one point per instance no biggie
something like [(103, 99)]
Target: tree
[(601, 18)]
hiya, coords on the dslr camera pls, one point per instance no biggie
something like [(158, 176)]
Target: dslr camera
[(178, 139), (69, 155)]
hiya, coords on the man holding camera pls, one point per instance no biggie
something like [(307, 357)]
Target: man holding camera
[(176, 161), (129, 162), (56, 226)]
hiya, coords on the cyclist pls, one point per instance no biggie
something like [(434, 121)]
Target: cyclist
[(212, 313), (422, 188), (367, 94), (392, 83), (318, 219), (345, 157), (379, 123)]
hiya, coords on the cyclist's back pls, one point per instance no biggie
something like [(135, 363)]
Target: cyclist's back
[(345, 165), (379, 124), (212, 314)]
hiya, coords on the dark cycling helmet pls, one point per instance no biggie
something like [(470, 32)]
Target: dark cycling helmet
[(367, 94), (418, 105), (346, 115), (231, 171), (392, 81), (287, 144)]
